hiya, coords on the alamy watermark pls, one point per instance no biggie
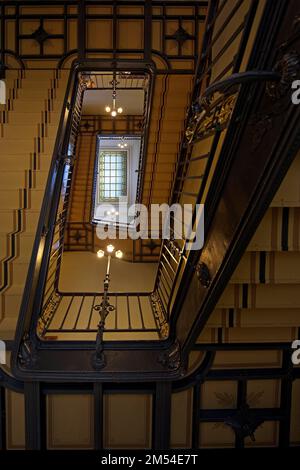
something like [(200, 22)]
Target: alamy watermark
[(160, 221), (2, 92), (2, 352), (296, 93), (296, 353)]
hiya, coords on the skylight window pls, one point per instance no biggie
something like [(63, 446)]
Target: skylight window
[(112, 175)]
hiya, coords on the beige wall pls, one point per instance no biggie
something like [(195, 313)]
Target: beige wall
[(125, 276)]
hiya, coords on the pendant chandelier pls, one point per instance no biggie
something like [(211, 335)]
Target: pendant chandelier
[(113, 110), (122, 144)]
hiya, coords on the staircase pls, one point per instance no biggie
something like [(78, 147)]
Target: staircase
[(261, 302), (28, 126), (171, 98)]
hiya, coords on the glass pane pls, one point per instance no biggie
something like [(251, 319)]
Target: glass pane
[(112, 175)]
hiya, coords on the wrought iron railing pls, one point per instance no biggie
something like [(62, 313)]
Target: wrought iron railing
[(242, 411), (70, 313), (212, 116), (58, 227), (42, 297)]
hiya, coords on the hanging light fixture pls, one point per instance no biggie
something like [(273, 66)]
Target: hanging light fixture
[(113, 110), (122, 144)]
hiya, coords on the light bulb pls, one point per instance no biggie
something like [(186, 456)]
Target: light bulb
[(119, 254), (125, 145), (120, 110), (110, 248), (114, 113), (119, 145), (107, 212), (116, 213), (100, 253), (107, 109)]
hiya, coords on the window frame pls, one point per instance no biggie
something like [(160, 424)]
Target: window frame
[(112, 201)]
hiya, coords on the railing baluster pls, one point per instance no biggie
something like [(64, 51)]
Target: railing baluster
[(66, 314), (116, 313), (78, 314), (128, 312), (141, 313), (91, 313)]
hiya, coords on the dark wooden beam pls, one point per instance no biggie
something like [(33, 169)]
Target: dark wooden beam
[(2, 419), (34, 421), (162, 416), (81, 29), (147, 29), (98, 416)]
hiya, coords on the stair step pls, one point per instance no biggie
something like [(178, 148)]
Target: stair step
[(7, 221), (249, 335), (31, 220), (280, 267), (8, 328), (17, 179), (39, 93), (19, 131), (17, 118), (12, 146), (19, 271), (261, 296), (12, 179), (10, 162), (258, 318), (12, 298), (10, 199), (21, 106)]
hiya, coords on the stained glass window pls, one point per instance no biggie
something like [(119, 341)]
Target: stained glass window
[(112, 175)]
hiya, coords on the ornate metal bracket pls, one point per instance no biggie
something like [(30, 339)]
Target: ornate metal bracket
[(98, 358), (48, 313), (27, 354), (207, 116), (288, 68), (203, 274), (244, 422), (160, 315), (66, 159), (230, 84), (171, 359)]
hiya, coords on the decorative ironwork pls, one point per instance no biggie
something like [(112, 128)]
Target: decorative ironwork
[(40, 35), (152, 245), (78, 236), (174, 248), (70, 12), (98, 359), (160, 315), (180, 35), (244, 422), (48, 313), (203, 274), (27, 355), (171, 359), (206, 120), (289, 68)]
